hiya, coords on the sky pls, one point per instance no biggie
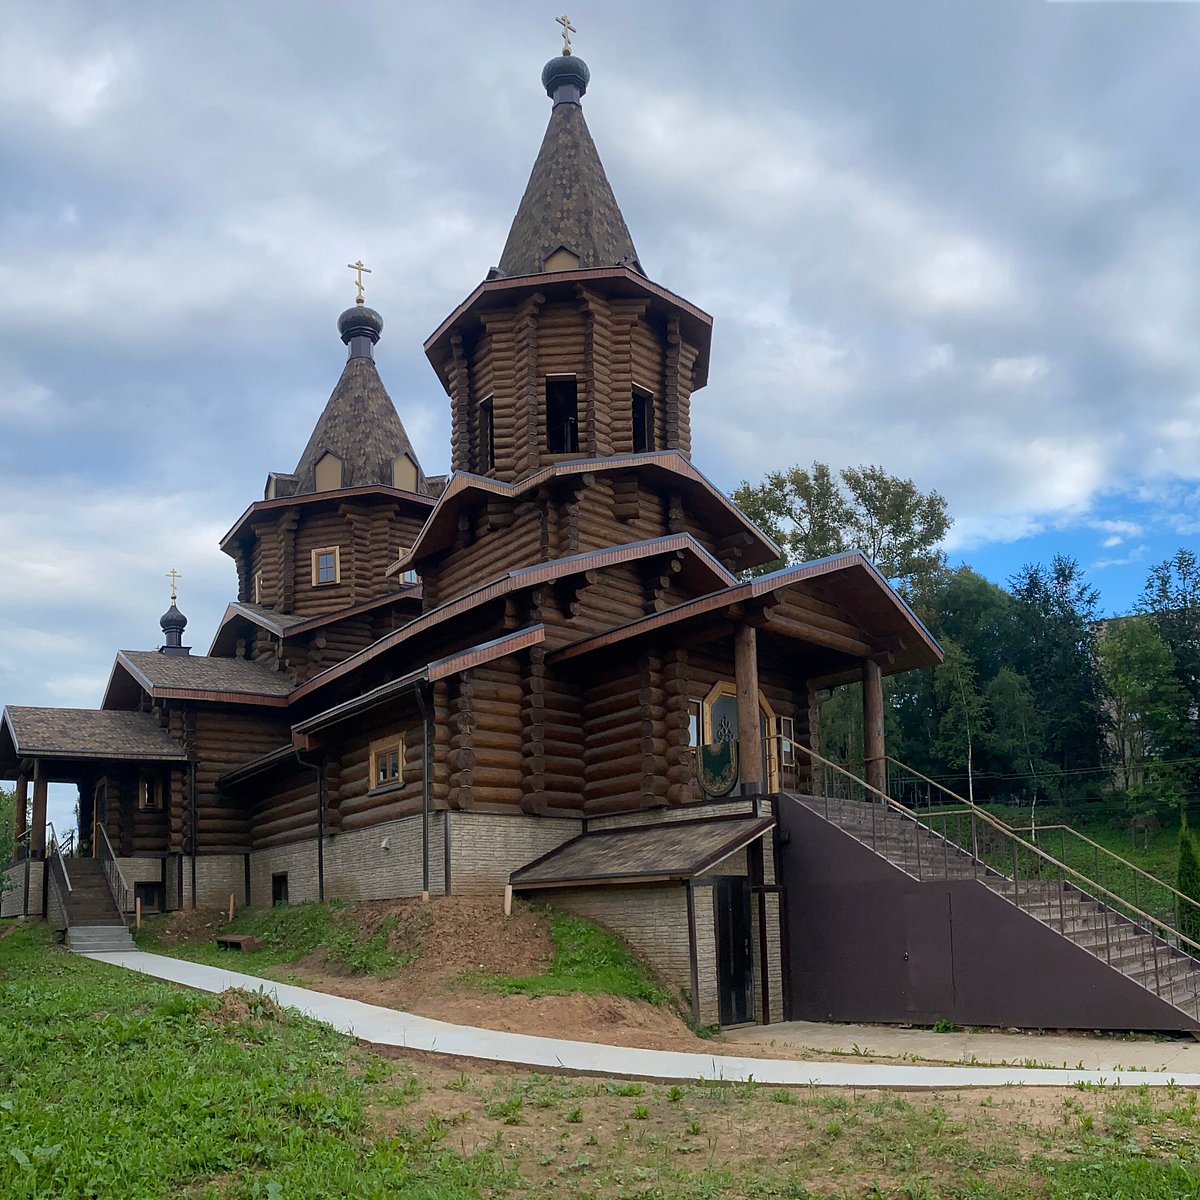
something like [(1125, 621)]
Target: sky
[(957, 240)]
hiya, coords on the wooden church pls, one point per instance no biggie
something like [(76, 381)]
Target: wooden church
[(547, 671)]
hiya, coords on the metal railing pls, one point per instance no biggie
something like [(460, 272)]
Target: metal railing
[(1137, 887), (112, 873), (967, 842), (56, 867)]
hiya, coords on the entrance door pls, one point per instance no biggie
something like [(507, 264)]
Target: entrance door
[(735, 976)]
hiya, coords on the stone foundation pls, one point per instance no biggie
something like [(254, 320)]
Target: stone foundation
[(13, 890)]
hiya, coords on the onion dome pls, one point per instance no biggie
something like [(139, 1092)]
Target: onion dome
[(360, 322), (565, 78), (173, 623)]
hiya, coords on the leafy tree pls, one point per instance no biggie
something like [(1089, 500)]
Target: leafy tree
[(1148, 707), (810, 513), (1172, 597), (1188, 881), (1052, 644), (962, 712), (1014, 741)]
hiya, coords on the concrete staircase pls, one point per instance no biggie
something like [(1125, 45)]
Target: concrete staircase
[(94, 923), (1142, 953)]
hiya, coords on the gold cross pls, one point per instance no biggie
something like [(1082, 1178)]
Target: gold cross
[(173, 575), (358, 266), (568, 29)]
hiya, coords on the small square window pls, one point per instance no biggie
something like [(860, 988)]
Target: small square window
[(387, 762), (326, 566)]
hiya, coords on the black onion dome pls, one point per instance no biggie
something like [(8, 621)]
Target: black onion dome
[(565, 69), (360, 321), (173, 619)]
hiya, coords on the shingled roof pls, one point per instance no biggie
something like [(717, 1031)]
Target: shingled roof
[(88, 733), (568, 204), (361, 427), (199, 673)]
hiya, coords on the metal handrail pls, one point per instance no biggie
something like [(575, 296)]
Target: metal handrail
[(55, 846), (112, 873), (1063, 829), (1004, 830)]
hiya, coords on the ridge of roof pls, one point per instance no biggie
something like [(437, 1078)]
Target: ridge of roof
[(568, 204)]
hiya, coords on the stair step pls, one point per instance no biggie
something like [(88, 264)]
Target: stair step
[(99, 938)]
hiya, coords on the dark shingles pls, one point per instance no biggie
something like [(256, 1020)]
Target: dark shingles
[(568, 202), (678, 850), (361, 427), (197, 672), (90, 733)]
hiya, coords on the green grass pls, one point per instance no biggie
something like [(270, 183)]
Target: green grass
[(586, 959), (292, 932), (115, 1085)]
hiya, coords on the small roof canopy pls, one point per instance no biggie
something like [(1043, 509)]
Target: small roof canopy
[(74, 734), (672, 850), (192, 677)]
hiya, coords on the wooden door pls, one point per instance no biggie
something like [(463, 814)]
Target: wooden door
[(735, 967)]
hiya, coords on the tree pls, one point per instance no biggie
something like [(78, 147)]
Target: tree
[(810, 514), (1052, 644), (1148, 708), (1172, 598), (1188, 882), (1014, 743), (962, 713)]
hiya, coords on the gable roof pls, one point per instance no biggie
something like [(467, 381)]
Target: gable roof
[(361, 427), (882, 609), (568, 204), (667, 468), (197, 677), (85, 733), (522, 577)]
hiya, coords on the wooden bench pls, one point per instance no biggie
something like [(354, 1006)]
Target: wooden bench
[(239, 941)]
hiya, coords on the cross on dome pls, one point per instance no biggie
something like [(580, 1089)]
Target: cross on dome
[(362, 270), (567, 30)]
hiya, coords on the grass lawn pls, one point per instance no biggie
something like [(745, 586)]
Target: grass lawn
[(112, 1085)]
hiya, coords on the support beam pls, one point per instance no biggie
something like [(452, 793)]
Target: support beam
[(873, 743), (20, 804), (37, 833), (745, 668)]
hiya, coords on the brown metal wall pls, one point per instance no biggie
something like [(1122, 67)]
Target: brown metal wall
[(866, 942)]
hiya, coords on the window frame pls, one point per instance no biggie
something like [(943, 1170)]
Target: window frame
[(487, 434), (572, 422), (258, 589), (150, 798), (383, 748), (336, 551), (649, 417)]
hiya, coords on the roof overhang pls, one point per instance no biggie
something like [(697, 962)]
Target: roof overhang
[(884, 627), (624, 282), (667, 469), (514, 581), (17, 747), (124, 671), (662, 852), (262, 510)]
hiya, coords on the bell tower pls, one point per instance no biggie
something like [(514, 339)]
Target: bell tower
[(567, 351)]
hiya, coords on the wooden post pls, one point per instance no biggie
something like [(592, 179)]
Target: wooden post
[(745, 668), (137, 912), (231, 906), (508, 899), (20, 804), (37, 831), (873, 744)]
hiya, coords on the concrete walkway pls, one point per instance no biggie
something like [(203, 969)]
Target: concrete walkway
[(389, 1027), (1175, 1056)]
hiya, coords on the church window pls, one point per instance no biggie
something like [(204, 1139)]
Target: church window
[(562, 414), (258, 587), (387, 761), (328, 473), (326, 566), (695, 722), (404, 473), (487, 435), (149, 794), (643, 421)]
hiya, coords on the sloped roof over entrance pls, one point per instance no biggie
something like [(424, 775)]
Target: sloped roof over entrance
[(193, 677), (84, 733), (665, 851)]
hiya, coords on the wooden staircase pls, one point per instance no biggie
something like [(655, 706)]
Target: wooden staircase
[(1145, 950)]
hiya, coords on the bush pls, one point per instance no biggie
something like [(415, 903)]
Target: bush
[(1189, 881)]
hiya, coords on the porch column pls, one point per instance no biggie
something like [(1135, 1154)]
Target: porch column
[(37, 831), (20, 803), (873, 744), (745, 670)]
